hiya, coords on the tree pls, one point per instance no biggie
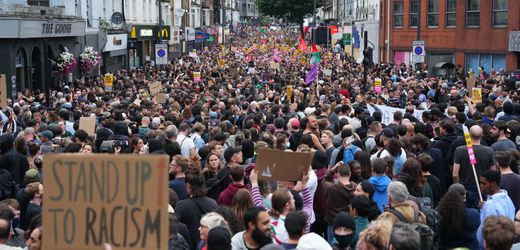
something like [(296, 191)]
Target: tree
[(291, 10)]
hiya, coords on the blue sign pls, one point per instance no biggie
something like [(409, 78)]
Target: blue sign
[(418, 50), (161, 53)]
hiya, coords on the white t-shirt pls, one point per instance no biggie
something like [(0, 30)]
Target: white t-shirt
[(186, 144)]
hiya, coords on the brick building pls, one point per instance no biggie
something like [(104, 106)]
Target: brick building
[(471, 33)]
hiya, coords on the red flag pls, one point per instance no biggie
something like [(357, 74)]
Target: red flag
[(314, 48), (305, 29), (303, 45), (248, 57)]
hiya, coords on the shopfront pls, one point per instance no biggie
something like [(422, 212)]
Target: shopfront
[(115, 52), (30, 46), (141, 43)]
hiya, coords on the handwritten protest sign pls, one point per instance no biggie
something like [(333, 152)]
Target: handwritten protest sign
[(274, 65), (477, 95), (281, 165), (327, 72), (155, 88), (196, 76), (92, 200), (108, 81), (377, 85), (3, 91), (88, 124), (161, 98)]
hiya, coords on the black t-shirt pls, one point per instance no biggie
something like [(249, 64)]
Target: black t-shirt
[(509, 182), (484, 156)]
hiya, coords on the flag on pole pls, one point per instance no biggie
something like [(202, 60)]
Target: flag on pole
[(303, 45), (315, 59), (312, 74)]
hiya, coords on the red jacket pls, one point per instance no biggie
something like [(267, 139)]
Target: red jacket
[(226, 197)]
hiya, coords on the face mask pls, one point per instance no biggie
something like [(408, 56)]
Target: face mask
[(344, 240), (287, 144)]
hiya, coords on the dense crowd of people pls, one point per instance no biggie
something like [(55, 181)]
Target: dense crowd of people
[(406, 183)]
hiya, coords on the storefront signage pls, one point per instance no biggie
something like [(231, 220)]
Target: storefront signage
[(514, 41), (44, 28), (116, 42), (146, 32)]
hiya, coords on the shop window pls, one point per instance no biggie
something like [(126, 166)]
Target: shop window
[(488, 61)]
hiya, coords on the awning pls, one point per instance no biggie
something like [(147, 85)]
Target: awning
[(444, 65)]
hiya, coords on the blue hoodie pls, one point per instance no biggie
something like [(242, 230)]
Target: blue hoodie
[(380, 183)]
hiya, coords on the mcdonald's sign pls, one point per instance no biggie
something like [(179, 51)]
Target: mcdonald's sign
[(164, 32)]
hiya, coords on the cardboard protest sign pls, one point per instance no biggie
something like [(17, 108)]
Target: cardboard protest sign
[(274, 65), (221, 63), (281, 165), (155, 88), (119, 200), (470, 83), (477, 95), (88, 124), (196, 76), (160, 98), (3, 91)]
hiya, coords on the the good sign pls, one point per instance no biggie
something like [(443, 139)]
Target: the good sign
[(90, 201)]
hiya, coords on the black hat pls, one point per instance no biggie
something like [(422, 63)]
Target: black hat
[(230, 151), (388, 132), (278, 122), (219, 238), (344, 219), (319, 160)]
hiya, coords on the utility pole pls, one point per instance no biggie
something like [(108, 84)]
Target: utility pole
[(418, 35), (160, 23)]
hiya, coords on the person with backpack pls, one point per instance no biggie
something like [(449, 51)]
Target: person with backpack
[(338, 194), (348, 150), (400, 207), (370, 141)]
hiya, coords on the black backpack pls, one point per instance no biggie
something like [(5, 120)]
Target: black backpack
[(425, 233), (8, 187)]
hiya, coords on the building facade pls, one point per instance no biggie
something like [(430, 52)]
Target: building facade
[(31, 39), (470, 33), (248, 11)]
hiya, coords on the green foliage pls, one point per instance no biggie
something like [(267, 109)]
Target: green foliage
[(291, 10)]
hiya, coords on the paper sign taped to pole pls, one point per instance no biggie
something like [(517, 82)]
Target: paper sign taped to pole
[(119, 200), (281, 165), (88, 124)]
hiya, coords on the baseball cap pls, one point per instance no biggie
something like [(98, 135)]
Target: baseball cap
[(312, 241), (388, 132), (47, 134), (230, 151), (308, 111), (295, 124)]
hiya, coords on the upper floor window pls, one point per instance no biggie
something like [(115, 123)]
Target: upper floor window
[(472, 12), (451, 13), (500, 12), (433, 13), (398, 13), (414, 13), (43, 3)]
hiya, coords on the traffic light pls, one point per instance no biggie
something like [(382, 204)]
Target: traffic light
[(367, 57)]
